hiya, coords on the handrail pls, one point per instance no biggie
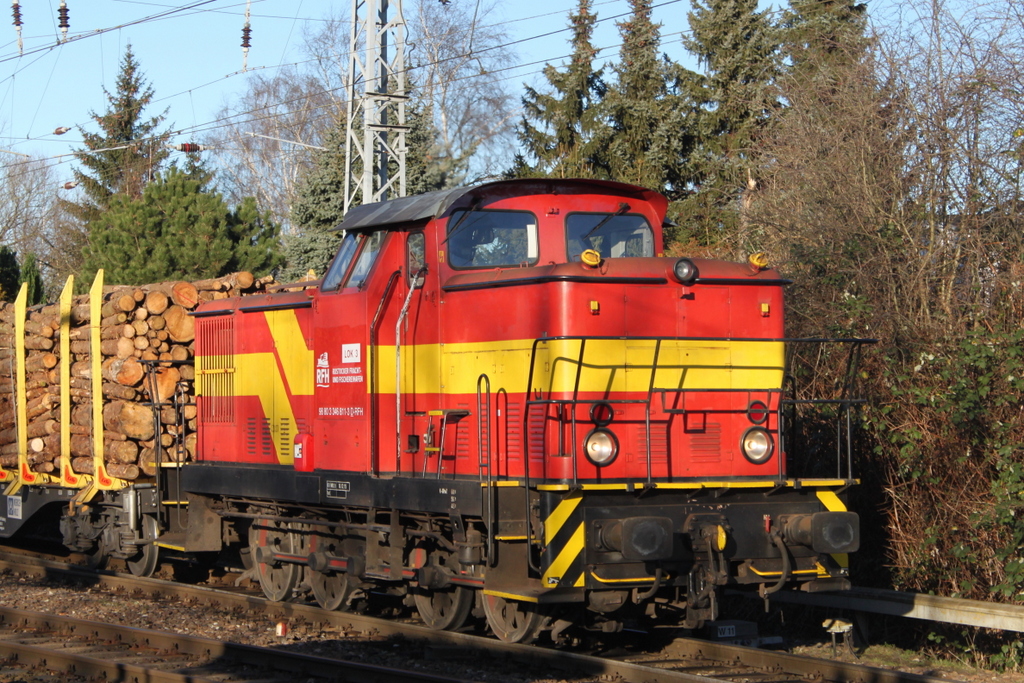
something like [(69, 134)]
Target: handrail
[(372, 370), (398, 366), (568, 406), (483, 426)]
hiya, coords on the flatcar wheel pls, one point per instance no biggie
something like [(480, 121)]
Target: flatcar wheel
[(148, 557), (445, 610), (512, 621), (98, 556), (278, 580)]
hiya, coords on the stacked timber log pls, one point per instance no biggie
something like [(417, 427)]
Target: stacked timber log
[(146, 347)]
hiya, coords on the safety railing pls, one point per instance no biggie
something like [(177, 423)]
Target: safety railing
[(672, 369)]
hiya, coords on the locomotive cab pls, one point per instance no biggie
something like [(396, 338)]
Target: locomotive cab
[(506, 395)]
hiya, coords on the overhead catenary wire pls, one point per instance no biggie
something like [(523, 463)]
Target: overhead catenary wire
[(234, 117)]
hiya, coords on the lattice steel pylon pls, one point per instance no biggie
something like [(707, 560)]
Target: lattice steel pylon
[(375, 85)]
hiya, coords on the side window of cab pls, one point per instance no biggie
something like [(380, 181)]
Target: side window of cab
[(415, 257)]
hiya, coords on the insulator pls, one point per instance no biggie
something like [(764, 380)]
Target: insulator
[(16, 8), (61, 130), (70, 185), (189, 147), (62, 14), (246, 36)]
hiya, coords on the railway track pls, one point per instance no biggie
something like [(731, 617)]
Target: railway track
[(115, 652), (683, 659)]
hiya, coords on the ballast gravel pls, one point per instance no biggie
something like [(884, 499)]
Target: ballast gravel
[(171, 615)]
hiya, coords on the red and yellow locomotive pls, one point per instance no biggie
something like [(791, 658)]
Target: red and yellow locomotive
[(500, 397), (504, 395)]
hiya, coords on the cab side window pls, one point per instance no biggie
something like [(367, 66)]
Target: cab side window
[(416, 248)]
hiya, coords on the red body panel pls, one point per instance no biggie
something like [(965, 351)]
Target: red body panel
[(466, 323)]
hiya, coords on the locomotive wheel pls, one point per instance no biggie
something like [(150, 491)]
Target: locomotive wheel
[(331, 590), (511, 620), (148, 557), (278, 580), (444, 610)]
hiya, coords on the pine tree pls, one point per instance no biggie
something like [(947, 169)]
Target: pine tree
[(31, 276), (426, 167), (9, 274), (127, 153), (649, 137), (737, 48), (255, 239), (319, 207), (819, 34), (177, 230), (563, 130)]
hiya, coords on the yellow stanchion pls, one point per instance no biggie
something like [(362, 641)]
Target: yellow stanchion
[(67, 475), (101, 480)]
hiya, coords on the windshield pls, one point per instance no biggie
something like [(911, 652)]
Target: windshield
[(492, 239), (615, 236), (367, 246)]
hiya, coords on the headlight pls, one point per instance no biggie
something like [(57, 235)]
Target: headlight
[(601, 447), (685, 271), (757, 445)]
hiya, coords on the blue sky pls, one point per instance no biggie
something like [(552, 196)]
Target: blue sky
[(190, 52)]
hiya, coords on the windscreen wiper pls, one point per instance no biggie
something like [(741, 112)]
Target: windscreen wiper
[(623, 208), (462, 219)]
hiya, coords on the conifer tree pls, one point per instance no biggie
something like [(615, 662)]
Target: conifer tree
[(649, 137), (177, 229), (737, 49), (127, 153), (820, 34), (426, 167), (31, 276), (320, 204), (9, 274), (319, 207), (563, 130)]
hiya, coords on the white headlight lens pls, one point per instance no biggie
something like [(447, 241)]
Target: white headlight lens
[(685, 271), (601, 447), (757, 445)]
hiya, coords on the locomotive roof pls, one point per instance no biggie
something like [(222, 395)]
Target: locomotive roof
[(435, 204)]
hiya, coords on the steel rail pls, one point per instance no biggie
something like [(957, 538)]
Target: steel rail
[(624, 669), (119, 645)]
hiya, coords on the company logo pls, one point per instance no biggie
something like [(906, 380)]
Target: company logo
[(323, 371)]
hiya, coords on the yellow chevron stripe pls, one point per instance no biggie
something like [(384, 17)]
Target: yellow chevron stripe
[(560, 515), (295, 357), (565, 558), (832, 503), (258, 374)]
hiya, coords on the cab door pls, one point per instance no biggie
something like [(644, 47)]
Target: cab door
[(342, 355), (419, 360)]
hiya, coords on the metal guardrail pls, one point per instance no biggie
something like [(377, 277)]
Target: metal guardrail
[(916, 606)]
